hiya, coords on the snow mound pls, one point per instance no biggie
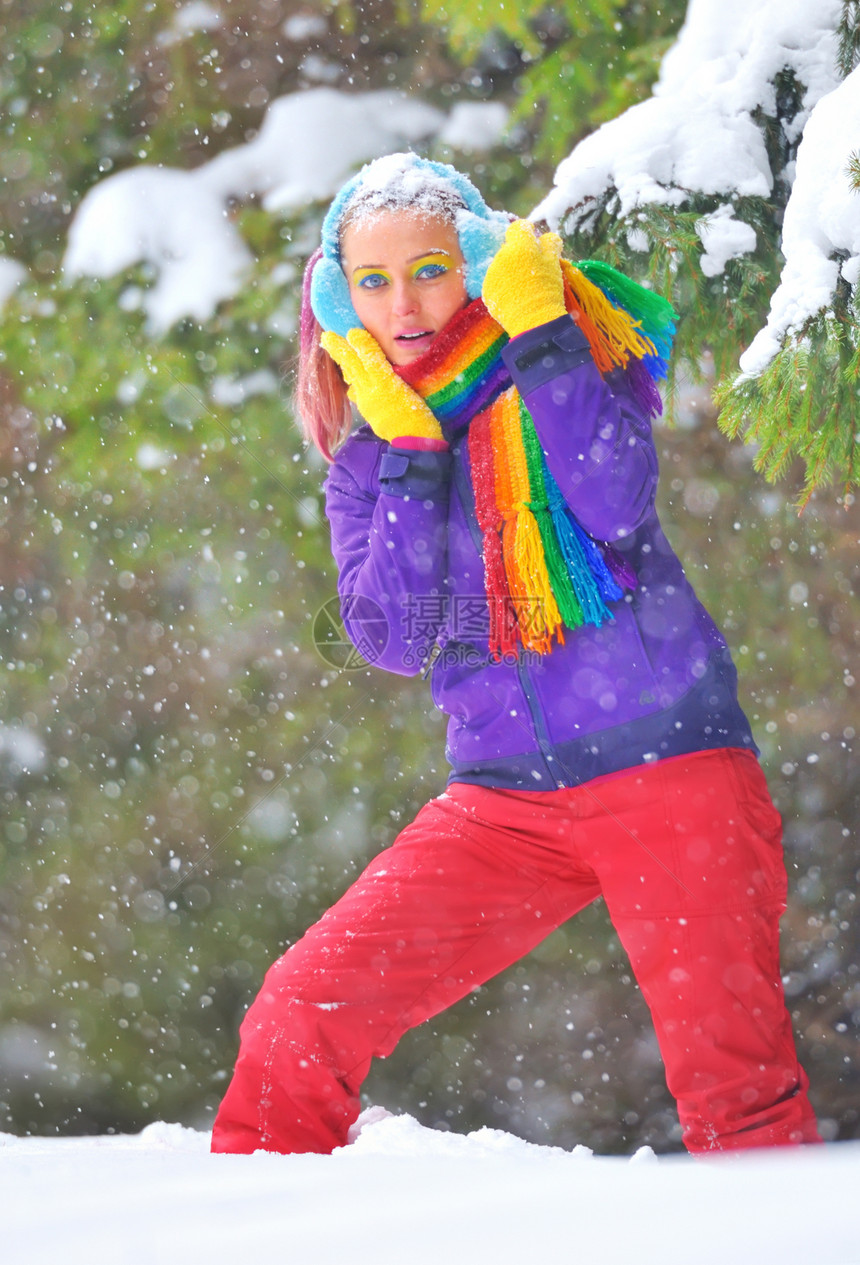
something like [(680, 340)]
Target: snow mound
[(404, 1192), (378, 1132)]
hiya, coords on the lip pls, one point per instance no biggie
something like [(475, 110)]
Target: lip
[(413, 335), (417, 340)]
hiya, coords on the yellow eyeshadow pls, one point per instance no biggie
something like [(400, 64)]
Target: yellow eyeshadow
[(360, 273), (435, 257)]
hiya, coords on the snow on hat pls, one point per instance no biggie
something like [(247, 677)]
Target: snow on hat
[(403, 181)]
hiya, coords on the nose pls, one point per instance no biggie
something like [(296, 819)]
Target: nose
[(404, 300)]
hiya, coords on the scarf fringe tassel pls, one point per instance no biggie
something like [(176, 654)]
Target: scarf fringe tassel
[(627, 326)]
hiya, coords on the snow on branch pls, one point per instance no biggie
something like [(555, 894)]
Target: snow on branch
[(11, 275), (703, 132), (170, 220), (821, 230), (178, 222), (697, 132)]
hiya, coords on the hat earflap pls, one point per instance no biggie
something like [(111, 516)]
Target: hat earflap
[(480, 239), (330, 298)]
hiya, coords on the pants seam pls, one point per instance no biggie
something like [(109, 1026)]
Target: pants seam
[(765, 902)]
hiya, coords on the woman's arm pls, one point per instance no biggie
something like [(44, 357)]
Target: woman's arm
[(597, 443), (390, 547)]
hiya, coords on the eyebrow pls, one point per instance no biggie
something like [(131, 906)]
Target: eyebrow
[(414, 258), (424, 253)]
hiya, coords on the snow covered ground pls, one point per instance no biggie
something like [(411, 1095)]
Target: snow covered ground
[(405, 1195)]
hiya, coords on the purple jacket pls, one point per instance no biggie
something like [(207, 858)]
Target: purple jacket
[(656, 681)]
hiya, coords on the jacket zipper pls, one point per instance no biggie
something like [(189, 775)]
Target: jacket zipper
[(545, 746)]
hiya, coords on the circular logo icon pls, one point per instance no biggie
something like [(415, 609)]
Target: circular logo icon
[(333, 643)]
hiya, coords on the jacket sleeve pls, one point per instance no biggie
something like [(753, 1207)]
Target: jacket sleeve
[(388, 512), (597, 443)]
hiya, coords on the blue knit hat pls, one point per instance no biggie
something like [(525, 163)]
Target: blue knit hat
[(404, 181)]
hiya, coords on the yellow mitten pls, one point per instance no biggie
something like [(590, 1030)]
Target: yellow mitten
[(523, 287), (391, 407)]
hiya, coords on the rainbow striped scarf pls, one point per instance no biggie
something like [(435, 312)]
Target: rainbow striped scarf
[(543, 573)]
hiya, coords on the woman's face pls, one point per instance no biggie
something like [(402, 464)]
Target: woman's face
[(405, 274)]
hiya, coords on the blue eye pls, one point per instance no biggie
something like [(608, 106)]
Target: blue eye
[(372, 280), (429, 271)]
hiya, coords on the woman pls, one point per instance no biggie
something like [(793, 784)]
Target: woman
[(493, 524)]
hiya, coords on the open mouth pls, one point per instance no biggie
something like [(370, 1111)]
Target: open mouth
[(414, 336)]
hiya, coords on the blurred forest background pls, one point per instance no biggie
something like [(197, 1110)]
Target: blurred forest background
[(186, 781)]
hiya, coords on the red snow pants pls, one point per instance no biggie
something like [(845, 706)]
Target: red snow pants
[(687, 855)]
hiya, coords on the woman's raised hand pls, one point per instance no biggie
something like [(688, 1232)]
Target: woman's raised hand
[(392, 408), (523, 287)]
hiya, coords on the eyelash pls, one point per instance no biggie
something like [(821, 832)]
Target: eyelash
[(430, 271)]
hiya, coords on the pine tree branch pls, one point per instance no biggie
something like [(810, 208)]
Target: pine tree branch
[(849, 37), (803, 405)]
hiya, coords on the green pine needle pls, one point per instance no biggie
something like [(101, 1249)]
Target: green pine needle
[(802, 407)]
